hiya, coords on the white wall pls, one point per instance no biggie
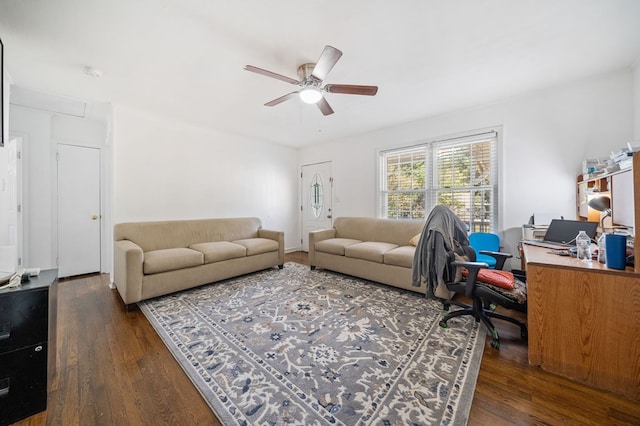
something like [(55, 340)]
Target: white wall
[(34, 126), (546, 136), (165, 169)]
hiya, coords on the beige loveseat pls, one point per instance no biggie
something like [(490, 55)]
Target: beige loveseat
[(156, 258), (369, 248)]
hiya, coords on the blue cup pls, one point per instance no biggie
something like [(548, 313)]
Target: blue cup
[(616, 251)]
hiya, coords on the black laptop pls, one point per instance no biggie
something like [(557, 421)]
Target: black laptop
[(562, 233)]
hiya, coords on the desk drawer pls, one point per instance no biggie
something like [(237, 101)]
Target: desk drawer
[(23, 383), (23, 319)]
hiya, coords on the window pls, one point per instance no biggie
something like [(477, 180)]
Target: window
[(461, 173), (405, 183)]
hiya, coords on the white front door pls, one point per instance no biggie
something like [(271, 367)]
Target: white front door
[(78, 210), (317, 199)]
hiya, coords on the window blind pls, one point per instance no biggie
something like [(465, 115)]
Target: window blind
[(465, 179), (461, 173)]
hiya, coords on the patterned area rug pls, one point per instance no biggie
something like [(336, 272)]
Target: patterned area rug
[(296, 346)]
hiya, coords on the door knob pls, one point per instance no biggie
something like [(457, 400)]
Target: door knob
[(94, 217)]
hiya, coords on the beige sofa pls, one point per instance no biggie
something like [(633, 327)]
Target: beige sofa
[(370, 248), (156, 258)]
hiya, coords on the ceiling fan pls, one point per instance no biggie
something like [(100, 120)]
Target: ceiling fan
[(310, 80)]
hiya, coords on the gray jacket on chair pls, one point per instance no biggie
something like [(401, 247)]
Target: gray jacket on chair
[(442, 232)]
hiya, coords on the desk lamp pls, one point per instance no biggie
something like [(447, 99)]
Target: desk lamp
[(602, 204)]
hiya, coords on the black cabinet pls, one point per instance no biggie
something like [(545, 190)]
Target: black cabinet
[(27, 346)]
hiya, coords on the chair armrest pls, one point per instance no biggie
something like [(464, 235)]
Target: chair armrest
[(473, 268), (314, 237), (498, 256)]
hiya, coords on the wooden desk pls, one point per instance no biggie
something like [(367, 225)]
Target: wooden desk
[(584, 321)]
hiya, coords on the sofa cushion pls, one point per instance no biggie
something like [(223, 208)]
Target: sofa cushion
[(370, 250), (171, 259), (218, 251), (400, 256), (335, 245), (258, 245)]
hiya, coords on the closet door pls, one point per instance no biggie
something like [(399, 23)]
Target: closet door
[(78, 210)]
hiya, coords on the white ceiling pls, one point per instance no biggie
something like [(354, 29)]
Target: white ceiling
[(184, 58)]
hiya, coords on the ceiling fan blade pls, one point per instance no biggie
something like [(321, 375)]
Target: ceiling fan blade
[(351, 89), (270, 74), (324, 106), (325, 63), (281, 99)]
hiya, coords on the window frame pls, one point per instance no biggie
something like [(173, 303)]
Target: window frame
[(430, 191)]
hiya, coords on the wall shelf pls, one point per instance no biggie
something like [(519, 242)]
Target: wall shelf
[(623, 188)]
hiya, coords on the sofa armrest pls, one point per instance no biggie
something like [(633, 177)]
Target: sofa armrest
[(276, 236), (128, 261), (314, 237)]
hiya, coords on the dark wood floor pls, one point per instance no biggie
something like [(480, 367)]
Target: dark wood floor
[(112, 368)]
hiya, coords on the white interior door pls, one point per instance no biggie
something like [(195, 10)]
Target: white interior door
[(317, 199), (78, 210)]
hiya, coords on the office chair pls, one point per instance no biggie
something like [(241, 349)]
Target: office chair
[(481, 241), (484, 296), (441, 256)]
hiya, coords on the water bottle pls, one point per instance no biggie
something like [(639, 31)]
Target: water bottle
[(582, 244), (602, 257)]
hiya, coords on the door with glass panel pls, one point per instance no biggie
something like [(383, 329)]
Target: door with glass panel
[(317, 198)]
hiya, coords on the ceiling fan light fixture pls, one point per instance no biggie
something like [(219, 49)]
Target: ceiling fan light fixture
[(310, 80), (310, 95)]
